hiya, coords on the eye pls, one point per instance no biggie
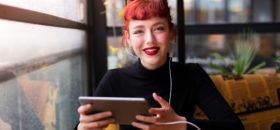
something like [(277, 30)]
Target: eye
[(138, 32), (160, 28)]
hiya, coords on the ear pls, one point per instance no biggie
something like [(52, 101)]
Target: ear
[(127, 37)]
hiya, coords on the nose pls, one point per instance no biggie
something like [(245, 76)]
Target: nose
[(149, 37)]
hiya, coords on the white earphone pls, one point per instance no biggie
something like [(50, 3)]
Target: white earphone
[(170, 95), (171, 51)]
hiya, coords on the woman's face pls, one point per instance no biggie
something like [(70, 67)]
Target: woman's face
[(150, 40)]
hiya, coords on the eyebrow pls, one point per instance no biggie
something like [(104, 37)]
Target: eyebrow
[(141, 26)]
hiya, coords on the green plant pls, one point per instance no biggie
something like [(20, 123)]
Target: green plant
[(277, 60), (243, 57)]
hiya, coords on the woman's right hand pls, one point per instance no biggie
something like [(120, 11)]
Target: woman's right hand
[(97, 121)]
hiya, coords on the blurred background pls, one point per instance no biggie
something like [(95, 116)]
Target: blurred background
[(52, 51)]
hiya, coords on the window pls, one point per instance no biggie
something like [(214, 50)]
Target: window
[(212, 15), (209, 26), (42, 63)]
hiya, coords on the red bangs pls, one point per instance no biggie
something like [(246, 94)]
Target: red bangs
[(145, 9)]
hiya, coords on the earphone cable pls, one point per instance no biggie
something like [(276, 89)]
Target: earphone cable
[(170, 95), (178, 122), (170, 78)]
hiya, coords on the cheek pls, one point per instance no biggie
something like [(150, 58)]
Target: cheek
[(136, 42), (163, 39)]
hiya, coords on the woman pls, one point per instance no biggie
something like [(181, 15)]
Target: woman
[(172, 89)]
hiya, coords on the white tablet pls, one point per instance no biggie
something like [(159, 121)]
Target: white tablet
[(124, 109)]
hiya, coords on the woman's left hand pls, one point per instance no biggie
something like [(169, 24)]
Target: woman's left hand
[(163, 114)]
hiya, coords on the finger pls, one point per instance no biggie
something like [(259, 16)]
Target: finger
[(148, 119), (82, 109), (157, 110), (160, 100), (141, 125), (95, 117), (98, 124)]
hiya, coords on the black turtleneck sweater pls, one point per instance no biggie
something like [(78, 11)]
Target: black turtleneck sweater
[(191, 86)]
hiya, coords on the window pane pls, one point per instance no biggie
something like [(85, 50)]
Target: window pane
[(262, 11), (189, 11), (173, 10), (69, 9), (230, 11), (118, 56), (239, 11), (114, 9), (199, 48), (44, 98), (211, 11), (204, 11), (22, 41)]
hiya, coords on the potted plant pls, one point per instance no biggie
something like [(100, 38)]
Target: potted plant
[(246, 92), (277, 60), (243, 57)]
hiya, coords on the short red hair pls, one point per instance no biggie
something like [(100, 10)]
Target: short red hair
[(146, 9)]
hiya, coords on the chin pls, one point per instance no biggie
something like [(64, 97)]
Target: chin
[(153, 61)]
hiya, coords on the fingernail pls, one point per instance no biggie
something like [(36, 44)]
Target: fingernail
[(154, 94), (133, 123), (109, 113), (138, 117)]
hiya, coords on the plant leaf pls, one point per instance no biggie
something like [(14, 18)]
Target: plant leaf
[(245, 53), (223, 70), (277, 60), (218, 56), (256, 67)]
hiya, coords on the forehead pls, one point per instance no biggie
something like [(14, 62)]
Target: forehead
[(147, 23)]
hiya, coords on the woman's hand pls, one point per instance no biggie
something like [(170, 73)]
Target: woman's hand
[(97, 121), (163, 114)]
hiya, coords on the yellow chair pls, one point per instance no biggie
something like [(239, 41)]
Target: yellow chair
[(113, 127)]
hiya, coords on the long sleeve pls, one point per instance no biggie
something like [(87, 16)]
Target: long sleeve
[(208, 98), (191, 86), (105, 86)]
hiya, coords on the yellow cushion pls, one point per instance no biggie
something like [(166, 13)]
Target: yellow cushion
[(113, 127)]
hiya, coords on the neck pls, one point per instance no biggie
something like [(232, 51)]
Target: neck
[(154, 66)]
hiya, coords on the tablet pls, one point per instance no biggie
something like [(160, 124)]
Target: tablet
[(124, 109)]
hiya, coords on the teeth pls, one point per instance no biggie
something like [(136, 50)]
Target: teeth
[(151, 50)]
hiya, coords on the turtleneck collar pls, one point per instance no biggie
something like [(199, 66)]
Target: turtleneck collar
[(155, 72)]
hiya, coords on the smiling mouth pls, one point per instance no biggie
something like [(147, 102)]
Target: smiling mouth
[(151, 50)]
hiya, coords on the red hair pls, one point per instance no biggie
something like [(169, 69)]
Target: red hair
[(146, 9)]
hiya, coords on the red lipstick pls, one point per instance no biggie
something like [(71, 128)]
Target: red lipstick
[(151, 50)]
